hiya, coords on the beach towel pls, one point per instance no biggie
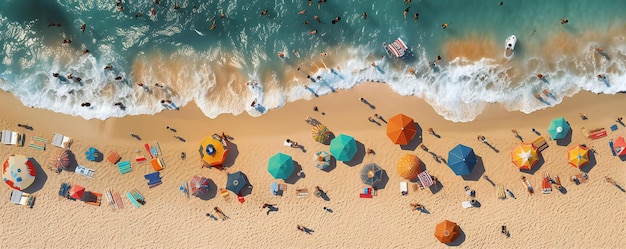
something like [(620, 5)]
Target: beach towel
[(425, 179), (85, 171)]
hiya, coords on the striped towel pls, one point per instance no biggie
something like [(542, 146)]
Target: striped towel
[(425, 179)]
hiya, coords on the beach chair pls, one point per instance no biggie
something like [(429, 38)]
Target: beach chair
[(157, 164), (21, 198), (10, 137), (64, 190), (274, 189), (92, 198), (546, 185), (156, 149), (124, 167), (467, 204), (500, 193), (84, 171), (224, 193), (132, 199), (114, 157), (404, 188), (154, 179), (184, 189), (302, 193), (61, 141), (540, 143), (37, 143)]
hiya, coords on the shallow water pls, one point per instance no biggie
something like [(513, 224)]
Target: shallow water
[(178, 49)]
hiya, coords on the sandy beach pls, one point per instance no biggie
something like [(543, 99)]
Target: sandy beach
[(589, 215)]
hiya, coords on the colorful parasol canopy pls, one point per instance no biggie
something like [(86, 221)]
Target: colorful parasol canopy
[(199, 185), (525, 156), (619, 146), (18, 172), (321, 159), (409, 166), (401, 129), (343, 147), (558, 128), (321, 133), (280, 166), (236, 182), (60, 160), (371, 174), (213, 150), (77, 192), (578, 156), (461, 159), (447, 231)]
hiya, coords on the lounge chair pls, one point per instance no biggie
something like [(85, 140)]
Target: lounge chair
[(114, 157), (11, 138), (37, 143), (500, 193), (61, 141), (154, 179), (21, 198), (404, 188), (133, 200), (224, 193), (157, 164), (540, 143), (92, 198), (546, 185), (302, 193), (124, 167), (467, 204), (85, 171)]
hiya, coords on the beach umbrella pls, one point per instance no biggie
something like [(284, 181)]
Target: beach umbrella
[(236, 182), (461, 159), (409, 166), (60, 160), (199, 185), (18, 172), (578, 156), (558, 128), (447, 231), (401, 129), (525, 156), (321, 159), (343, 147), (320, 133), (77, 192), (619, 146), (371, 174), (280, 166), (213, 150)]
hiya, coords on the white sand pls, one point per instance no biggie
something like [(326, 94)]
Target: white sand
[(590, 215)]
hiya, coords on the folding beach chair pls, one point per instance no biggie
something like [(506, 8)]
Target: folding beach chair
[(114, 157), (154, 179), (124, 167), (224, 193)]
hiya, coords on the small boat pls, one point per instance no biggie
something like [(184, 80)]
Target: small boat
[(509, 49), (397, 48)]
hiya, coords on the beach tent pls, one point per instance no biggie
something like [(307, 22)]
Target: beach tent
[(321, 133), (213, 150), (199, 185), (18, 172), (619, 146), (447, 231), (525, 156), (578, 156), (343, 147), (461, 159), (77, 192), (280, 166), (236, 182), (401, 129), (409, 166), (371, 174), (558, 128), (60, 160), (321, 159)]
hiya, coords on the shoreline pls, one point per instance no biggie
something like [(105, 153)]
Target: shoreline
[(182, 222)]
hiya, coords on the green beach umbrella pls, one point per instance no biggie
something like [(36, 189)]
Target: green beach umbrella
[(280, 166), (558, 128), (343, 147)]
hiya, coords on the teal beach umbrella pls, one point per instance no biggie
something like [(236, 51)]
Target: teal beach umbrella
[(558, 128), (280, 166), (343, 147)]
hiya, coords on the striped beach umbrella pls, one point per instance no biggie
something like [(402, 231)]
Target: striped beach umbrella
[(525, 156), (199, 185), (60, 160), (18, 172), (321, 133), (401, 129), (343, 147), (280, 166), (578, 156)]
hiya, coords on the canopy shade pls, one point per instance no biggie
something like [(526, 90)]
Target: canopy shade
[(558, 128), (199, 185), (343, 147), (409, 166), (447, 231), (578, 156), (461, 159), (525, 156), (401, 129), (18, 172), (280, 166), (213, 150), (236, 182), (321, 133), (371, 174)]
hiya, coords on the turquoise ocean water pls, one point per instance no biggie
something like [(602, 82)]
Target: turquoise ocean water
[(179, 49)]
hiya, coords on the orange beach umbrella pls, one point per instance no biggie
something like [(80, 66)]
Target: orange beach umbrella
[(409, 166), (525, 156), (213, 150), (578, 156), (447, 231), (401, 129)]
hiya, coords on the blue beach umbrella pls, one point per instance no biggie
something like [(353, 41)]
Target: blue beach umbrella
[(461, 159), (343, 147), (236, 182), (280, 166), (558, 128)]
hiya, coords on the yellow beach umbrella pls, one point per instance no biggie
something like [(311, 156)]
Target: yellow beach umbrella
[(525, 156), (578, 156)]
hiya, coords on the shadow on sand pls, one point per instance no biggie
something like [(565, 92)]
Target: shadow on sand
[(40, 180)]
